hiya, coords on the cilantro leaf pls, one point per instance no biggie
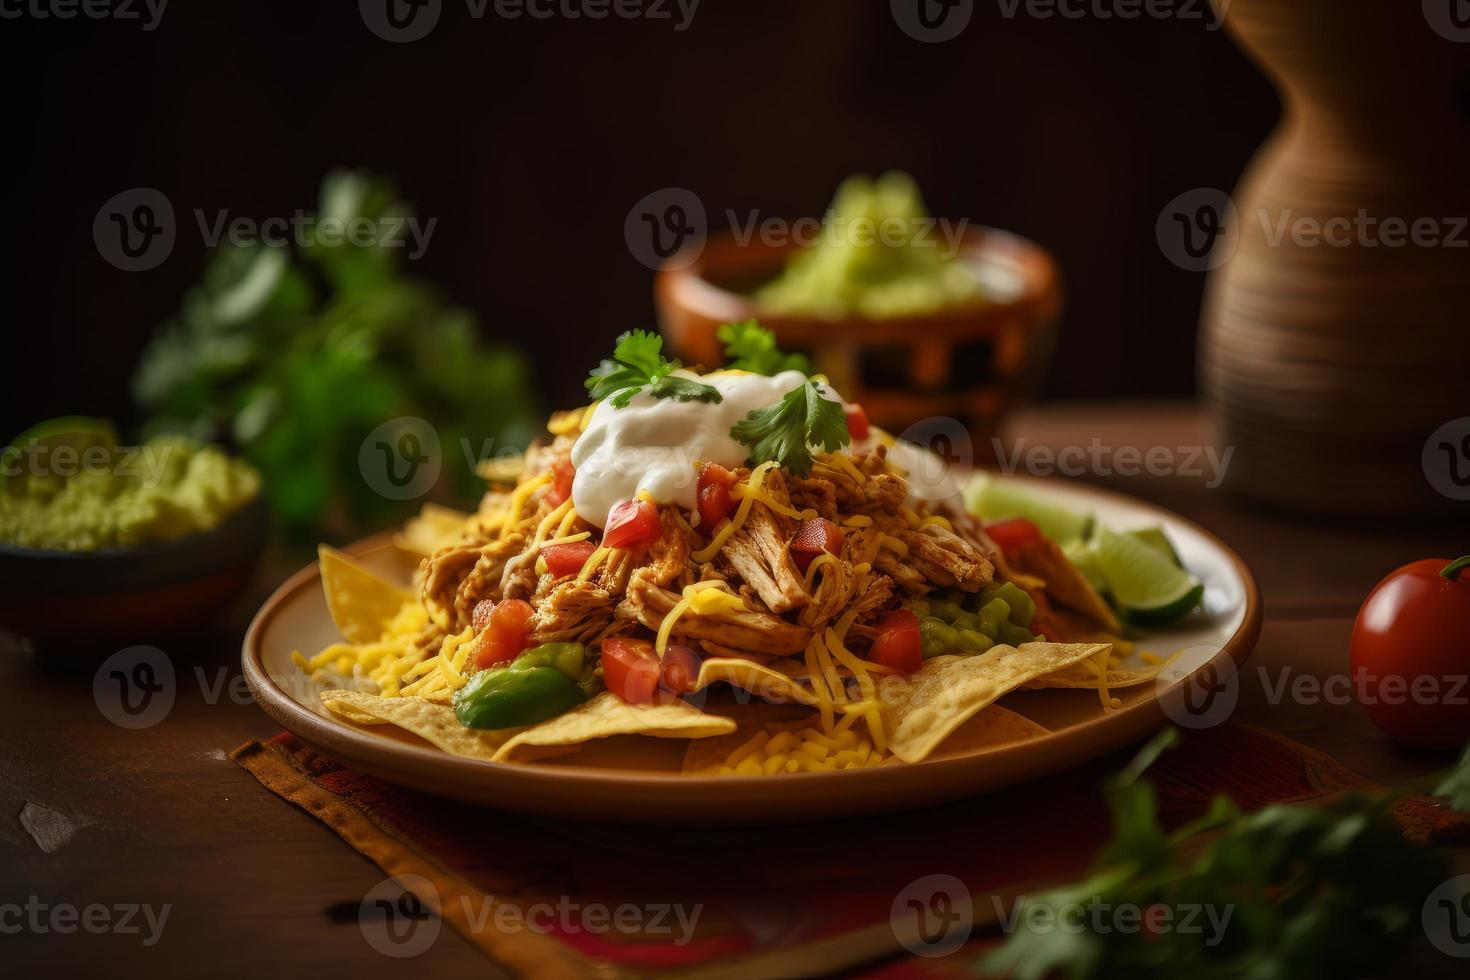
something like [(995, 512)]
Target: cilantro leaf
[(786, 431), (1456, 784), (751, 347), (638, 363)]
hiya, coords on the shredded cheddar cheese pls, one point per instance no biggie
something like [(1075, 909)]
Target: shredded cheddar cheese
[(757, 476)]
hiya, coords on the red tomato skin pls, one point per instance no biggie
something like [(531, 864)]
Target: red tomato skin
[(567, 559), (898, 643), (679, 670), (1415, 624), (503, 636), (713, 493), (630, 669), (632, 525), (814, 537), (857, 421), (1009, 535), (562, 475)]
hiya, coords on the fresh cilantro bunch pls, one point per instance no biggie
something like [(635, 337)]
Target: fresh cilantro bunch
[(786, 431), (751, 347), (1297, 891), (638, 364)]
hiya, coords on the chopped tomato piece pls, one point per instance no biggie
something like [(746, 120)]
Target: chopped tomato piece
[(680, 669), (1010, 535), (567, 559), (715, 500), (480, 616), (562, 475), (630, 669), (503, 636), (898, 643), (814, 537), (632, 525), (857, 421)]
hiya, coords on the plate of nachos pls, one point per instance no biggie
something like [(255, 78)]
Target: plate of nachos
[(727, 597)]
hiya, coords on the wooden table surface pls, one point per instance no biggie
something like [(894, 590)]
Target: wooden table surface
[(98, 815)]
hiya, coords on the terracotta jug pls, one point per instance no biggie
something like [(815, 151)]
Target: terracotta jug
[(1335, 340)]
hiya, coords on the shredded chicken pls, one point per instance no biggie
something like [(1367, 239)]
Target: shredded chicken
[(759, 554), (572, 612), (744, 630)]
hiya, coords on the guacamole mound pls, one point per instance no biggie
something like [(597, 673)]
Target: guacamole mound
[(70, 495), (879, 255)]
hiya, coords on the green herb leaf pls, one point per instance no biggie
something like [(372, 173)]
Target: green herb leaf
[(751, 347), (638, 363), (1456, 785), (786, 431)]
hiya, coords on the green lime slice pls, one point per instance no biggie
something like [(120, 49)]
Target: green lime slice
[(1083, 557), (78, 432), (995, 499), (1156, 539), (1148, 587)]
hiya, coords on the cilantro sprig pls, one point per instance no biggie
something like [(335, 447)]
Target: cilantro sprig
[(751, 347), (786, 431), (637, 364)]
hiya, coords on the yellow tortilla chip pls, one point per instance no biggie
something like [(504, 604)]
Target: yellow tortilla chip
[(361, 604), (434, 723), (759, 679), (607, 715), (989, 728), (1084, 675), (950, 690), (431, 529)]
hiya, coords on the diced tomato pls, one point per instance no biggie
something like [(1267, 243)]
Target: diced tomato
[(715, 501), (898, 643), (857, 421), (630, 669), (480, 616), (503, 636), (814, 537), (632, 525), (562, 475), (680, 669), (1012, 534), (567, 559)]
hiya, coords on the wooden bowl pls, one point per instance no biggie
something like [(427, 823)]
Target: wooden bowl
[(969, 363), (57, 598)]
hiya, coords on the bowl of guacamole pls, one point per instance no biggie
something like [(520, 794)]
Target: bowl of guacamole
[(913, 315), (103, 539)]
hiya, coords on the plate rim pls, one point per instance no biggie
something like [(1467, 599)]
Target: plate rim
[(1122, 727)]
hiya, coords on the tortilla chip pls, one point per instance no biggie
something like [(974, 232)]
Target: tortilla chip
[(431, 529), (607, 715), (360, 602), (989, 728), (1065, 585), (766, 682), (434, 723), (950, 690), (705, 756), (1084, 675)]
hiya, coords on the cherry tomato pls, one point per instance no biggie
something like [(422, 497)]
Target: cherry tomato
[(504, 635), (857, 421), (630, 669), (632, 525), (1410, 654), (814, 537), (715, 501), (1010, 535), (567, 559), (562, 475), (898, 643), (680, 669)]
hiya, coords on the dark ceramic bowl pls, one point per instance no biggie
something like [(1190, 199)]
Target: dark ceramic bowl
[(61, 597)]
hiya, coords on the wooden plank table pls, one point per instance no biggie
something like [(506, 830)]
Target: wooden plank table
[(160, 816)]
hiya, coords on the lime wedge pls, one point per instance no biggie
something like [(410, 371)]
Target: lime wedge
[(995, 499), (1156, 539), (1083, 557), (1148, 587), (78, 432)]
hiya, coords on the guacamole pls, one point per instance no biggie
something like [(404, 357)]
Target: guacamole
[(878, 255), (70, 487)]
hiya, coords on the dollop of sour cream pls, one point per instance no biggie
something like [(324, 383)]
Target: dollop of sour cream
[(657, 444)]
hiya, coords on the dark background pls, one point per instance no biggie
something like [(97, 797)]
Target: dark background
[(530, 140)]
